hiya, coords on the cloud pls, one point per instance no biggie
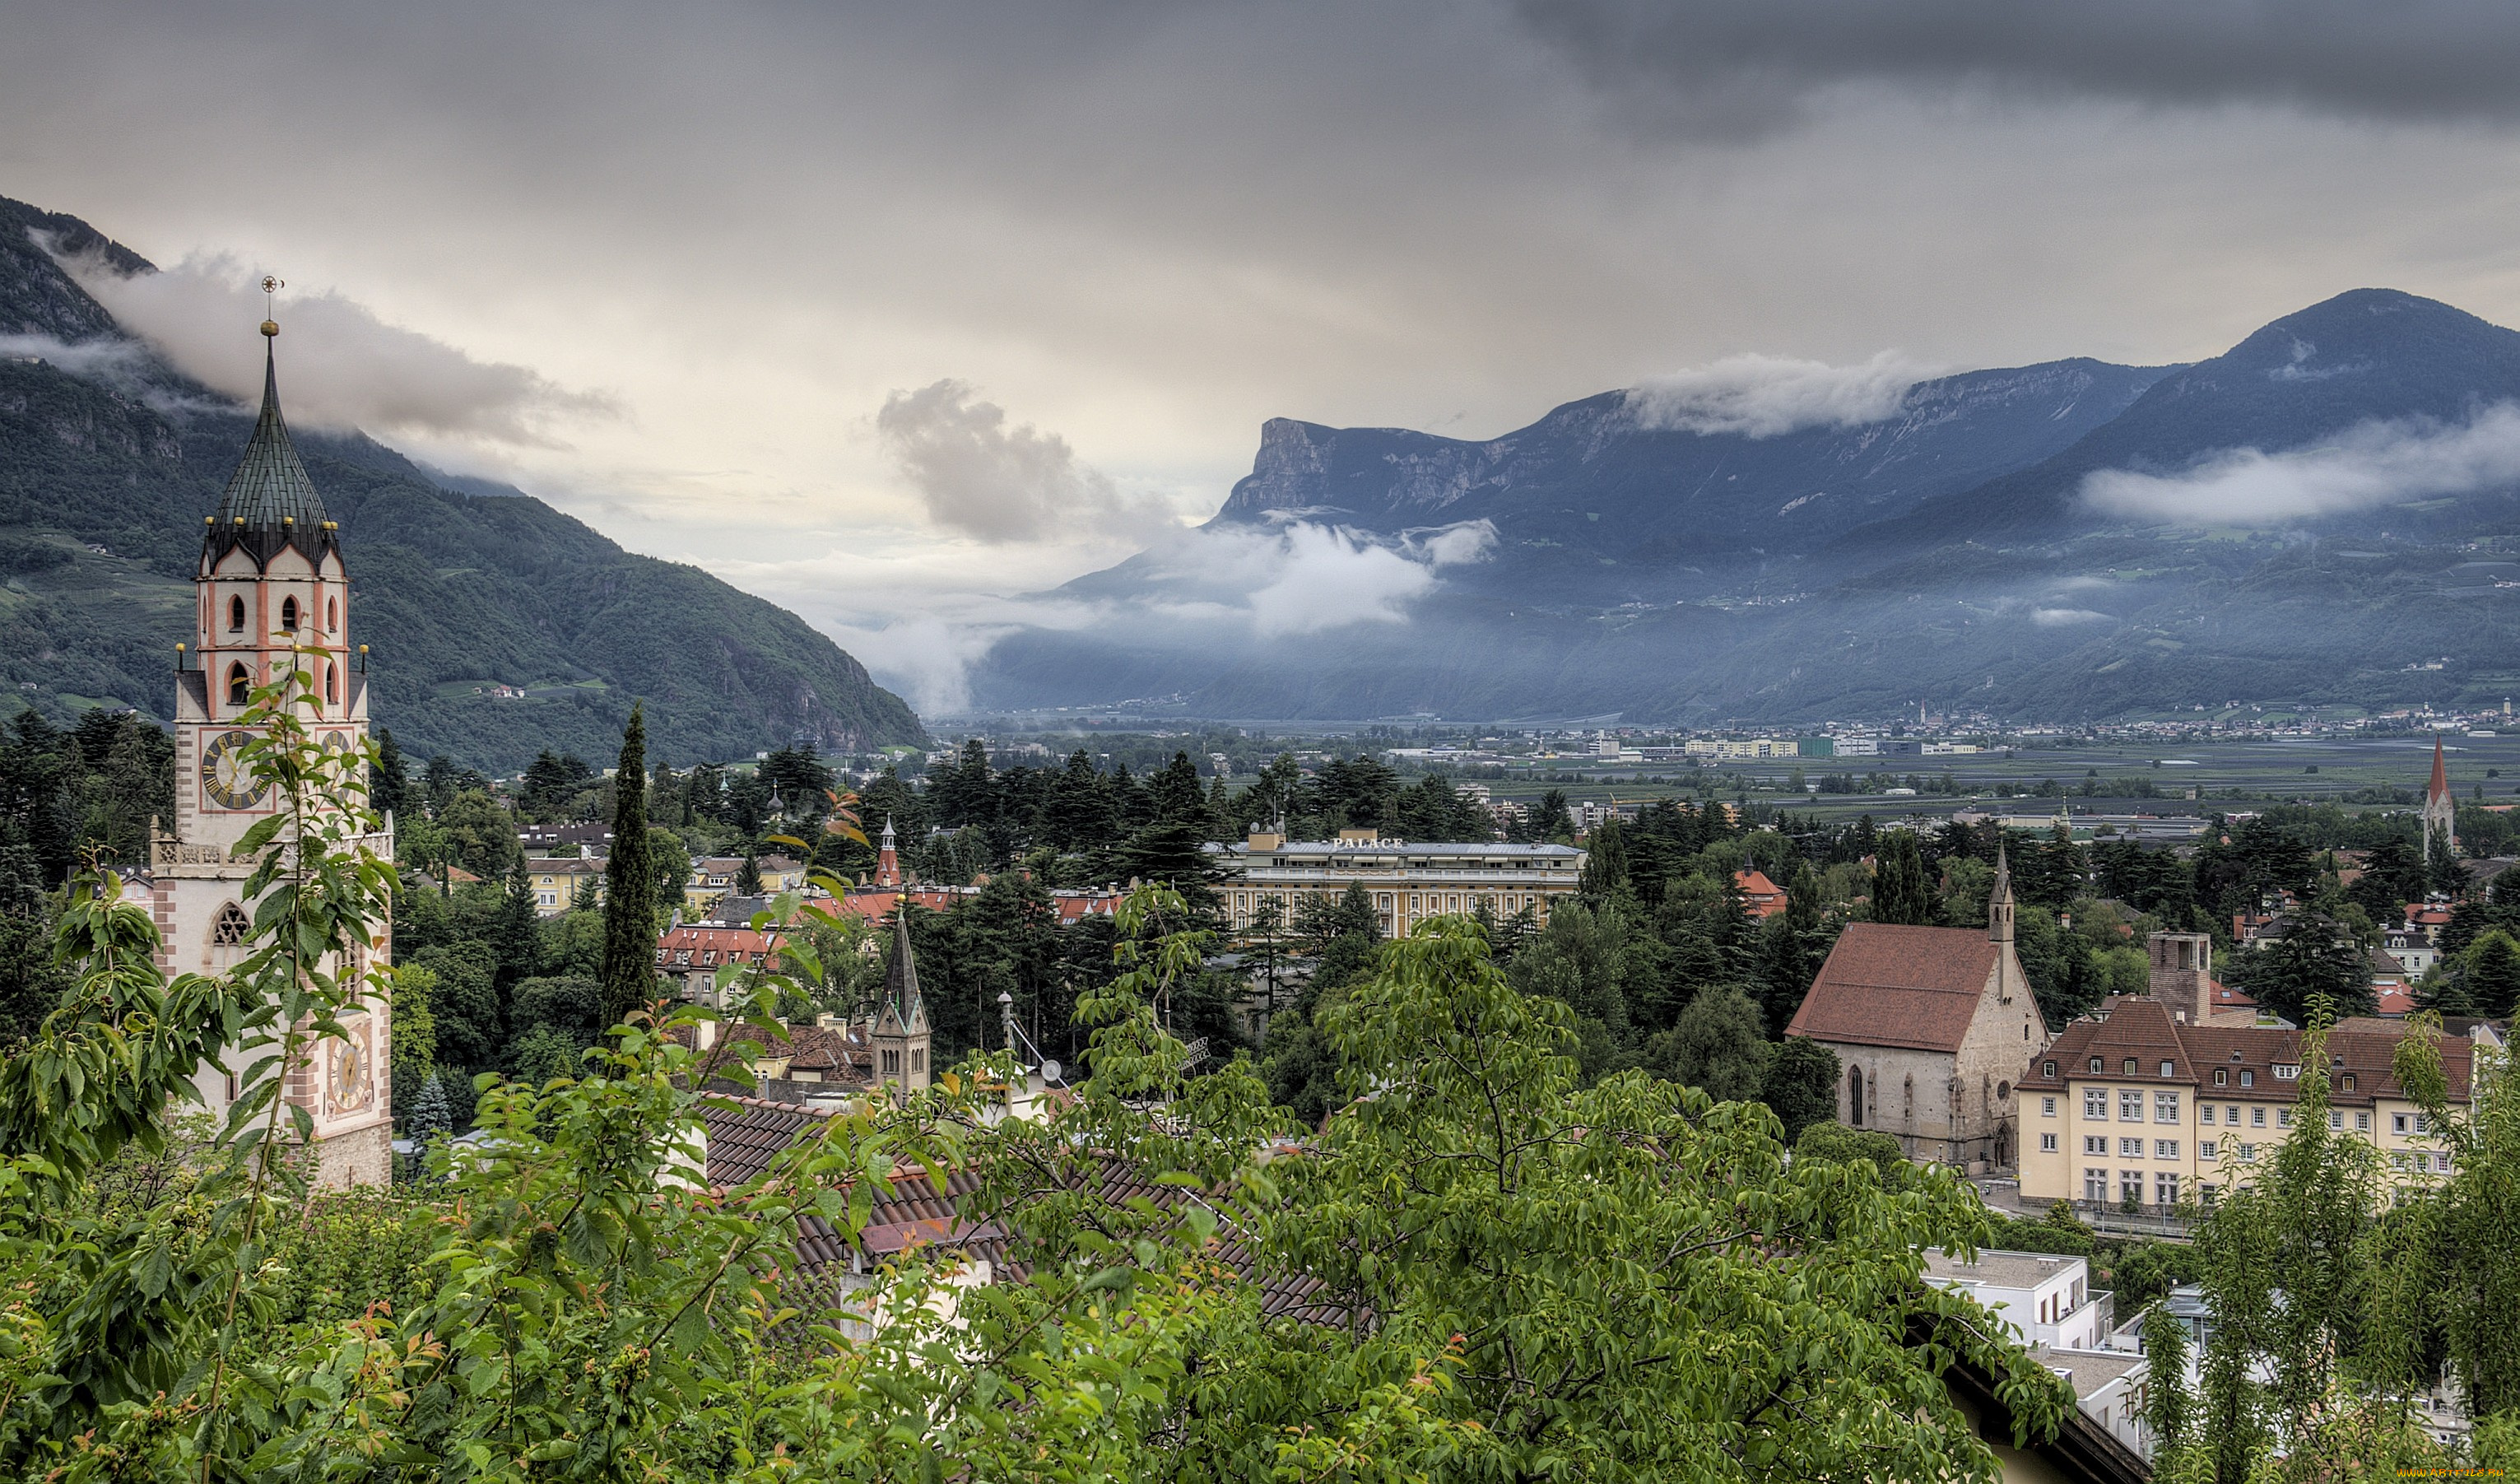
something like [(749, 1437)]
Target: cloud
[(104, 360), (1760, 396), (984, 478), (1296, 577), (2048, 619), (2373, 463), (1741, 68), (1327, 578), (927, 658), (342, 367), (1454, 545)]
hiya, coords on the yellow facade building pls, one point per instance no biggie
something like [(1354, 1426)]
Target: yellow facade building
[(2140, 1104), (1408, 884)]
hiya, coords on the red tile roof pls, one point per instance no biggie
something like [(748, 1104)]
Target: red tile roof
[(2140, 1027), (1889, 985), (711, 946), (747, 1134), (1760, 897)]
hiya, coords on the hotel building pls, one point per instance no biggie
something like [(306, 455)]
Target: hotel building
[(1408, 884)]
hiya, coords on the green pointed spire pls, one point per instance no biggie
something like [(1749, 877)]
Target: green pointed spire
[(270, 500)]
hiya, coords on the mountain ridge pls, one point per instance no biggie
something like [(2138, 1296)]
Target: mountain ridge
[(1942, 553), (454, 590)]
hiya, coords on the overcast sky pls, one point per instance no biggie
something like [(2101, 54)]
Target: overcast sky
[(891, 312)]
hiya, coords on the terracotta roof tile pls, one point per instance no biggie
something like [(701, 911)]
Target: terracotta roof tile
[(2140, 1027), (1891, 985), (747, 1134)]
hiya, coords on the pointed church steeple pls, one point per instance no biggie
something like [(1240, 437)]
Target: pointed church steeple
[(1999, 901), (270, 503), (2441, 811), (900, 1032)]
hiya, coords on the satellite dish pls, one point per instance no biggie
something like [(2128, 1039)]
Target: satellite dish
[(1050, 1071)]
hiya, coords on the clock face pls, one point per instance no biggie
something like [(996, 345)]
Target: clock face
[(350, 1075), (224, 775)]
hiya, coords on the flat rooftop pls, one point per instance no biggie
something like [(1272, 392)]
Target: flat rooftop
[(1999, 1270)]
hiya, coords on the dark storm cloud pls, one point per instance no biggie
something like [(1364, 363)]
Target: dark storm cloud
[(1744, 65)]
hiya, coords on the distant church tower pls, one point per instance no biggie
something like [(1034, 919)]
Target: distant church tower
[(2441, 811), (270, 576), (900, 1030), (887, 861)]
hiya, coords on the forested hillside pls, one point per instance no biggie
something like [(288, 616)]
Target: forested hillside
[(109, 460)]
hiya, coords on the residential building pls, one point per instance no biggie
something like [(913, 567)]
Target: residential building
[(1761, 898), (271, 594), (2043, 1299), (886, 1046), (2046, 1303), (718, 874), (1591, 814), (691, 956), (556, 881), (1407, 884), (562, 839), (2439, 1410), (2133, 1105), (1930, 1025), (2413, 949), (2110, 1387)]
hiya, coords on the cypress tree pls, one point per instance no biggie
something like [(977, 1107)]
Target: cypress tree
[(388, 777), (629, 886), (1901, 891)]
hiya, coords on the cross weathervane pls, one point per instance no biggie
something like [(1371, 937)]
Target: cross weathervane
[(270, 286)]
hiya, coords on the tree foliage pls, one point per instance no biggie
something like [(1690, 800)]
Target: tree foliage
[(1510, 1275)]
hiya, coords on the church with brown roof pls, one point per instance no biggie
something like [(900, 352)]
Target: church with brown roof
[(1930, 1025)]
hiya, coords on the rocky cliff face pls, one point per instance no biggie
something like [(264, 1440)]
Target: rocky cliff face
[(1944, 549), (1597, 478)]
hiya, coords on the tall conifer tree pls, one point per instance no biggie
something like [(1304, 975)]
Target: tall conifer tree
[(629, 884)]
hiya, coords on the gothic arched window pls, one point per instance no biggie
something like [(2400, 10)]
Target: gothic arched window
[(231, 928), (1855, 1097), (332, 614), (236, 616), (332, 685), (289, 615), (239, 684)]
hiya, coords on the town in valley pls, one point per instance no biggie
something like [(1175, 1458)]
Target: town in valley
[(1835, 794)]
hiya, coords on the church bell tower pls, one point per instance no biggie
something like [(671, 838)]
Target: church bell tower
[(270, 582)]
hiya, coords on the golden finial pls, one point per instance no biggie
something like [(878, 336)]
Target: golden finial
[(270, 286)]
